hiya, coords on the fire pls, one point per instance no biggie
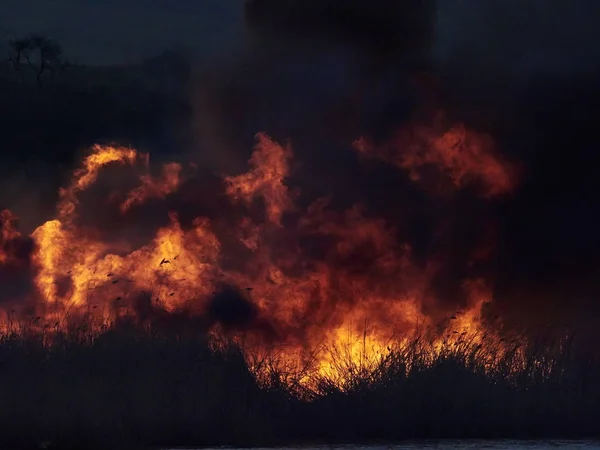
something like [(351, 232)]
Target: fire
[(463, 155), (269, 169), (331, 286), (88, 173), (8, 234), (154, 188)]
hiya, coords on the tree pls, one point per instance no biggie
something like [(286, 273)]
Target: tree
[(18, 49), (43, 55), (46, 56)]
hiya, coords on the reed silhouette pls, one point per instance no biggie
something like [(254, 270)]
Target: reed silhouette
[(131, 385)]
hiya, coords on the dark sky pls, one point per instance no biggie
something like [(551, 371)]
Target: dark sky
[(114, 31), (545, 35), (525, 34)]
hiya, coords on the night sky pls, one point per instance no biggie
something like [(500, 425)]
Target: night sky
[(526, 34), (117, 31)]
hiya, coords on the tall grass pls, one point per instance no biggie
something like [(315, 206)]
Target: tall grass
[(129, 386)]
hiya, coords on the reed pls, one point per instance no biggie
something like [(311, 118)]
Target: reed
[(129, 385)]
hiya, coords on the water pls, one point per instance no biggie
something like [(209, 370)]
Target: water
[(459, 445)]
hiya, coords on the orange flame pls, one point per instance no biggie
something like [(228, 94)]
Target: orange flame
[(463, 155), (8, 233), (154, 188), (354, 289), (270, 167)]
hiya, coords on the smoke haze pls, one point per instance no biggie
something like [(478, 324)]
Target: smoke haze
[(456, 162)]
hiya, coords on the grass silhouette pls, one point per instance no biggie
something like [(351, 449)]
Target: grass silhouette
[(150, 387)]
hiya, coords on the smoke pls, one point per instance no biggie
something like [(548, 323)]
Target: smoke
[(517, 74), (402, 174), (526, 71), (230, 308), (15, 258)]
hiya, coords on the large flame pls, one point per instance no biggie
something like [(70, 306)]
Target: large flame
[(326, 283)]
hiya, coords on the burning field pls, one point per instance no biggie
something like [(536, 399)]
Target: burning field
[(358, 241), (270, 270), (166, 304)]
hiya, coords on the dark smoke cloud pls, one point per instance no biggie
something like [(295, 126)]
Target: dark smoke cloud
[(520, 71), (322, 74), (528, 71), (230, 308), (16, 273), (382, 28)]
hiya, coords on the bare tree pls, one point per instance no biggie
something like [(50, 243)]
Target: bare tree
[(19, 50), (41, 54), (45, 56)]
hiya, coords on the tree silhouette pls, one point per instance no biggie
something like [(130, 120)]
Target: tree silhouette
[(18, 49), (42, 54), (46, 56)]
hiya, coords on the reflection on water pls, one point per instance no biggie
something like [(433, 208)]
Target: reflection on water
[(470, 445)]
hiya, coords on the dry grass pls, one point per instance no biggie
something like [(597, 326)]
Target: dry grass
[(157, 387)]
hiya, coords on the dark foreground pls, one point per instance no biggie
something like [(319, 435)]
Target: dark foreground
[(133, 388), (476, 445)]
